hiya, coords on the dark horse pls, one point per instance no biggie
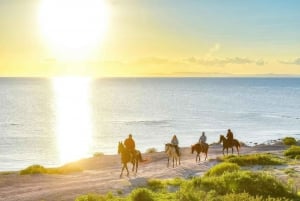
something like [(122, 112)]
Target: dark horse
[(226, 144), (127, 156), (203, 147)]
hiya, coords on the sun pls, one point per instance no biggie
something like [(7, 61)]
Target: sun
[(73, 28)]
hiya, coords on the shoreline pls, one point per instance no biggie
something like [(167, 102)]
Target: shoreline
[(267, 143)]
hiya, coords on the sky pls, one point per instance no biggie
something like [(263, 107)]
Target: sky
[(101, 38)]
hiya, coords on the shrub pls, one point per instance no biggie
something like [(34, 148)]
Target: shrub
[(98, 154), (155, 184), (254, 159), (38, 169), (220, 168), (151, 150), (141, 194), (34, 169), (292, 152), (253, 183), (95, 197), (289, 141)]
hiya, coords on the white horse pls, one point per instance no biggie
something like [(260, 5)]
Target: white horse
[(170, 149)]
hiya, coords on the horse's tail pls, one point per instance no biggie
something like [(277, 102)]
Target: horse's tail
[(238, 144), (139, 157)]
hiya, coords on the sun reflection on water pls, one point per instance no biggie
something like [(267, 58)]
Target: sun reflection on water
[(73, 117)]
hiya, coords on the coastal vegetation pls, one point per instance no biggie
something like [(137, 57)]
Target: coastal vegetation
[(39, 169), (230, 185), (293, 152), (254, 159), (289, 141), (224, 181)]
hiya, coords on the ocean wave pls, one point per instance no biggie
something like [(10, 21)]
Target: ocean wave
[(148, 122)]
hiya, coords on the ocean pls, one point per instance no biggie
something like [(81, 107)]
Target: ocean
[(54, 121)]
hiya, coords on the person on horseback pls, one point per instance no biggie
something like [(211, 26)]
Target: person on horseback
[(229, 137), (202, 138), (130, 145), (175, 142)]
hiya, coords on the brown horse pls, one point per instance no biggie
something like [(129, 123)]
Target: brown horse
[(203, 147), (127, 156), (170, 149), (226, 144)]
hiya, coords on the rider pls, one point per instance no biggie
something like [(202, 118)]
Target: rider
[(130, 144), (175, 142), (202, 138), (229, 136)]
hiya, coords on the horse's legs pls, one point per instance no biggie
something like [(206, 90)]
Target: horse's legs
[(125, 164), (136, 165), (133, 164), (124, 167), (173, 162), (168, 161), (122, 170), (232, 150), (237, 149)]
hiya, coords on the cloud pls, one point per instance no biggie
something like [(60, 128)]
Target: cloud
[(224, 61), (293, 62), (152, 60)]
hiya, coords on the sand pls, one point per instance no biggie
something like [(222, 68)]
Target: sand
[(101, 174)]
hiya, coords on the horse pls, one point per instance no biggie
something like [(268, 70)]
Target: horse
[(170, 149), (127, 156), (200, 147), (235, 143)]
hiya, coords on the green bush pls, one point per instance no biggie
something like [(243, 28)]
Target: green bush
[(141, 194), (292, 152), (34, 169), (98, 154), (289, 141), (254, 159), (155, 184), (220, 168), (95, 197), (254, 183), (151, 150), (38, 169)]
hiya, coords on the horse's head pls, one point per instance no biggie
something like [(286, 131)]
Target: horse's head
[(167, 146), (192, 148), (222, 138), (120, 147)]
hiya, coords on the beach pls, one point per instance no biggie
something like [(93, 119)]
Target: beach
[(101, 174)]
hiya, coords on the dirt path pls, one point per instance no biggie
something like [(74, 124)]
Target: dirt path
[(102, 174)]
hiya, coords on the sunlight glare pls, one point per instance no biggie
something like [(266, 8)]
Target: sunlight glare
[(73, 121), (73, 28)]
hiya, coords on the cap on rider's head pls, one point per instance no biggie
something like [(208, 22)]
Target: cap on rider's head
[(130, 135)]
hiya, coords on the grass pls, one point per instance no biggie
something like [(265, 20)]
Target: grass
[(98, 154), (224, 182), (151, 150), (289, 141), (38, 169), (221, 168), (254, 159), (293, 152)]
